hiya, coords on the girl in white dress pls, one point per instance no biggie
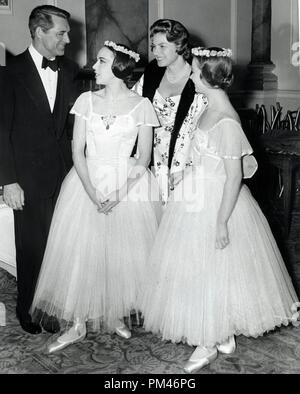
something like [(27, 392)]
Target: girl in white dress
[(106, 217), (215, 269)]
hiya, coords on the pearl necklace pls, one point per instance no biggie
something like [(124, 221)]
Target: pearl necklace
[(185, 71)]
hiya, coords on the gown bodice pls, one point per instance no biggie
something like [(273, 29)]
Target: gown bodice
[(110, 139), (209, 148), (166, 109)]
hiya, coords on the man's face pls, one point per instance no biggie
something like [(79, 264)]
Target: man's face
[(55, 40)]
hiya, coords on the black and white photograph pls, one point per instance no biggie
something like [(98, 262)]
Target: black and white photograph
[(150, 189)]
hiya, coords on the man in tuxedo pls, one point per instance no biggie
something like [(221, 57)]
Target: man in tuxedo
[(35, 148)]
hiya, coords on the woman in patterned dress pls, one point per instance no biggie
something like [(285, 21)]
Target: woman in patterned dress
[(166, 82)]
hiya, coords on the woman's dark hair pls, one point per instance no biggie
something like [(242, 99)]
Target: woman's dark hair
[(216, 70), (176, 33), (123, 65), (42, 17)]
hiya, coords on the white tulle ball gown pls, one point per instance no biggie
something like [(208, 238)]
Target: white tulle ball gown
[(202, 295), (94, 266)]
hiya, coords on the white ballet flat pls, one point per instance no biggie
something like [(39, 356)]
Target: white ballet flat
[(227, 347), (123, 332), (75, 334), (201, 357)]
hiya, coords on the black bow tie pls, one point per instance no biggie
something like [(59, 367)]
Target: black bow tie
[(53, 64)]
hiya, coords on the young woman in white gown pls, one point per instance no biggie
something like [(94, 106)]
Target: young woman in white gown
[(106, 217), (215, 269)]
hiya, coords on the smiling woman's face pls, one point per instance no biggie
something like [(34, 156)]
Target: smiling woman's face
[(164, 51)]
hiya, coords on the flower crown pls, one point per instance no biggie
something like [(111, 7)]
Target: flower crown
[(120, 48), (201, 51)]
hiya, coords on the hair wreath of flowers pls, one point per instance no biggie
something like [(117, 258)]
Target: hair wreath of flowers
[(201, 51), (120, 48)]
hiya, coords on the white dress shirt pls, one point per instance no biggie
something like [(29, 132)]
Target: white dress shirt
[(48, 76)]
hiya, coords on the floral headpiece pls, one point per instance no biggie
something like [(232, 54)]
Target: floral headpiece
[(120, 48), (201, 51)]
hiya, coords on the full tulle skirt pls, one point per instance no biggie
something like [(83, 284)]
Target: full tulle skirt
[(94, 266), (201, 295)]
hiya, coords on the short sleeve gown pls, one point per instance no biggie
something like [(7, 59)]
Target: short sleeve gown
[(202, 295), (94, 266)]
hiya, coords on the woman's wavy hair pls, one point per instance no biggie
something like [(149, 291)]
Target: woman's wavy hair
[(216, 70), (123, 65), (176, 33)]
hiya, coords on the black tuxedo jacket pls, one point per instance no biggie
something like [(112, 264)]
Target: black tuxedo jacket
[(35, 148)]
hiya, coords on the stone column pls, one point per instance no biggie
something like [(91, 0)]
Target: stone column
[(260, 68)]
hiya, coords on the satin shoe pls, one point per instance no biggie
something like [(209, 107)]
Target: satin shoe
[(201, 357), (75, 334), (228, 346), (123, 332)]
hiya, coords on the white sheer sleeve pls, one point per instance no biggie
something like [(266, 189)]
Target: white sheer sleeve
[(229, 141), (82, 106), (145, 115)]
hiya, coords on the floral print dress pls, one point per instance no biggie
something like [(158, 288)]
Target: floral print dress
[(166, 109)]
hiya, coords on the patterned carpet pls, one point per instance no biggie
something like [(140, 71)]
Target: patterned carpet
[(21, 353)]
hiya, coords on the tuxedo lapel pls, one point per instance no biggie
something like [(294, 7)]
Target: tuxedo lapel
[(30, 78)]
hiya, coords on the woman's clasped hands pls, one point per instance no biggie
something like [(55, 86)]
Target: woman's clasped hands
[(106, 204)]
